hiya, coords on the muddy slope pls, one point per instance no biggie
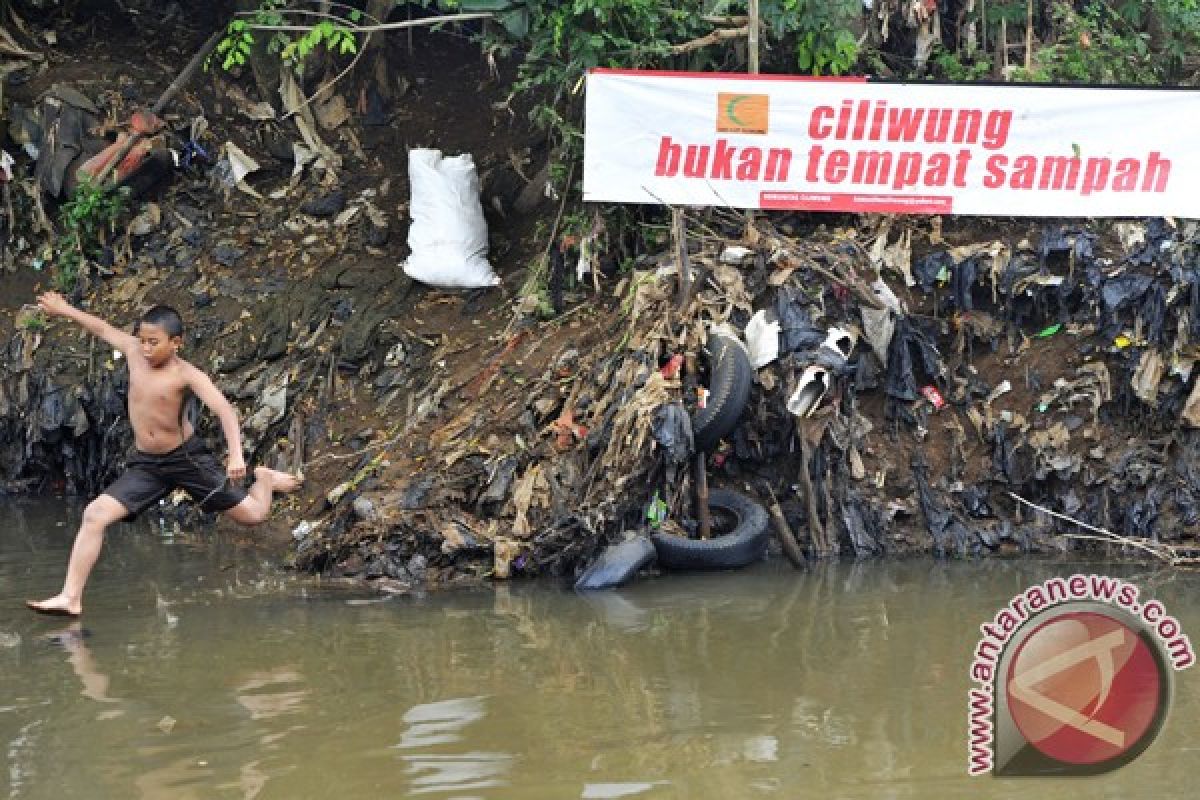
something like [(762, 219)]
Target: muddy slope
[(447, 437)]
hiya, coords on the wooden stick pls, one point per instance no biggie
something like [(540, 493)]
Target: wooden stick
[(702, 515), (787, 537), (679, 233), (752, 44), (752, 58), (1029, 34), (983, 27), (1105, 535), (1002, 47), (815, 529)]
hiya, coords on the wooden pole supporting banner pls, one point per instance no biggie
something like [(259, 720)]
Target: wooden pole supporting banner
[(752, 45)]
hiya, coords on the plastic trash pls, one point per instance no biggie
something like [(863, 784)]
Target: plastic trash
[(840, 341), (1049, 331), (961, 281), (617, 564), (735, 254), (932, 268), (814, 383), (912, 361), (762, 339), (672, 428), (448, 236), (796, 329), (933, 396), (232, 169)]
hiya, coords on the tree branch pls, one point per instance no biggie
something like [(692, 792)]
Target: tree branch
[(718, 35), (383, 26)]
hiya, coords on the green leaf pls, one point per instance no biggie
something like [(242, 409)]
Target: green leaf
[(1045, 333)]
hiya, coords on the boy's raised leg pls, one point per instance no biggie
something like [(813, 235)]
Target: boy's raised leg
[(257, 506), (99, 514)]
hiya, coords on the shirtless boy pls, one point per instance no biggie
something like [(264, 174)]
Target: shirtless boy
[(168, 455)]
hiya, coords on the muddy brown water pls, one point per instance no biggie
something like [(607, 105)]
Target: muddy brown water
[(203, 671)]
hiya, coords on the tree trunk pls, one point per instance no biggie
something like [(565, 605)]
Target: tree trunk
[(263, 65), (378, 70)]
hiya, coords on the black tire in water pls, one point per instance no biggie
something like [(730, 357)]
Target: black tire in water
[(728, 391), (745, 544)]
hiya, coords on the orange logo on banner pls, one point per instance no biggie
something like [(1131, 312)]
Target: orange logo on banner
[(741, 113)]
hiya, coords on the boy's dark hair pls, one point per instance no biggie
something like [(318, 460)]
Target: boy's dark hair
[(164, 317)]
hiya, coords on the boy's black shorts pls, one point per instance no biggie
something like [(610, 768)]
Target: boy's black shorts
[(191, 466)]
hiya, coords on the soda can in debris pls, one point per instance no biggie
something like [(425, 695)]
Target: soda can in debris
[(933, 396)]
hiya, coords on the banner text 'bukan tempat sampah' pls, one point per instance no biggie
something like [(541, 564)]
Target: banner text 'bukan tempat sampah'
[(783, 142)]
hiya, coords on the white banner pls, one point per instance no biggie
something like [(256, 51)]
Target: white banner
[(788, 142)]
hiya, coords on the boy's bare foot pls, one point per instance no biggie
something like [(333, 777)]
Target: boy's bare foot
[(57, 606), (281, 482)]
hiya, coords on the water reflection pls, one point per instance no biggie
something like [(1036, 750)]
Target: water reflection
[(264, 705), (94, 682), (446, 722)]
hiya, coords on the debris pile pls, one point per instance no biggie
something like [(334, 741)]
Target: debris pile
[(860, 385), (939, 403)]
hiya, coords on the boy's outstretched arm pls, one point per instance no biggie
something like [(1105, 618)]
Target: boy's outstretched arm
[(211, 396), (56, 305)]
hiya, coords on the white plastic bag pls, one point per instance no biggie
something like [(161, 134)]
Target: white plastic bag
[(448, 236), (762, 339)]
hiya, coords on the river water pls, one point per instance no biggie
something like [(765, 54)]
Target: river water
[(203, 671)]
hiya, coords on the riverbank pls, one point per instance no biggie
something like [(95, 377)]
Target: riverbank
[(457, 437)]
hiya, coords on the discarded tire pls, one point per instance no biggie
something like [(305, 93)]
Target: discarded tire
[(617, 564), (745, 544), (728, 391)]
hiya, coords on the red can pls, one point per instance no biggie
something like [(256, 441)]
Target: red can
[(933, 396)]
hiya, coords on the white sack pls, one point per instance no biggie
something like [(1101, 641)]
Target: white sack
[(448, 236)]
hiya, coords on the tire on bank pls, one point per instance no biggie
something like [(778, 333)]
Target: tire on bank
[(728, 391), (744, 544)]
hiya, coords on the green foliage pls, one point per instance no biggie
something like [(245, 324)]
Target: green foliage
[(1094, 45), (235, 47), (34, 322), (947, 66), (1180, 24), (820, 30), (1093, 41), (335, 36), (88, 218)]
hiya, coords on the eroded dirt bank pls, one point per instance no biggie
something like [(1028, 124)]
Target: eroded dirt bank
[(450, 436)]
